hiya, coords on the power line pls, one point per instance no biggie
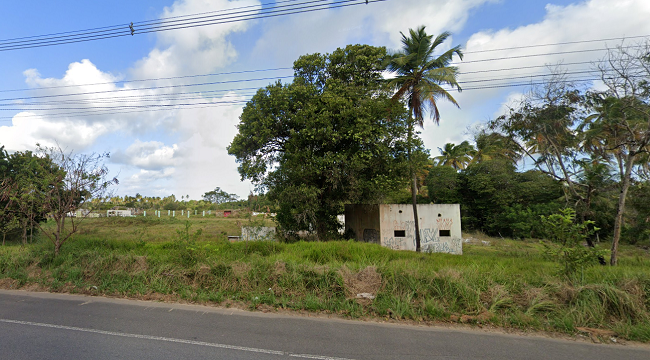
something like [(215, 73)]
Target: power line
[(288, 68), (303, 7), (200, 94), (542, 54), (123, 26), (205, 92), (556, 44), (100, 111), (146, 80), (146, 88)]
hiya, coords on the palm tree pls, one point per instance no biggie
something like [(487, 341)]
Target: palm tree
[(491, 146), (420, 76), (456, 156)]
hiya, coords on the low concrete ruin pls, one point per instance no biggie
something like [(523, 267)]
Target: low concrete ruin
[(392, 226)]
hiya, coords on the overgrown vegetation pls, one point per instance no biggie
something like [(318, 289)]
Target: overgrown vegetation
[(115, 257)]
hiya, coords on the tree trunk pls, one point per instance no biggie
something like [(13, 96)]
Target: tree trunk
[(24, 233), (414, 188), (620, 209), (57, 247), (415, 212)]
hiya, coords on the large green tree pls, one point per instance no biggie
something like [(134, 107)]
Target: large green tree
[(419, 83), (332, 136), (219, 196)]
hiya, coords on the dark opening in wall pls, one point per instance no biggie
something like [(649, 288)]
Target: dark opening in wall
[(444, 232), (400, 233)]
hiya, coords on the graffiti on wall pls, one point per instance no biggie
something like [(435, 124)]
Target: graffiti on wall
[(444, 224), (450, 246), (430, 240)]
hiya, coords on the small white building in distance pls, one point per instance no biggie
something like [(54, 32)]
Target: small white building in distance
[(122, 213), (392, 226)]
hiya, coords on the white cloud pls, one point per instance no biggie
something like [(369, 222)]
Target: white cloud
[(151, 155), (286, 38), (149, 183), (587, 20), (205, 134), (194, 50), (27, 129)]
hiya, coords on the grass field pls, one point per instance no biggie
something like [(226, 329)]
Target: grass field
[(500, 282)]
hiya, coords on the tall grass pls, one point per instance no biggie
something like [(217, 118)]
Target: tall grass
[(508, 283)]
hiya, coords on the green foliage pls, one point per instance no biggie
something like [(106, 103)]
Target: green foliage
[(218, 196), (638, 231), (184, 235), (443, 185), (456, 156), (496, 199), (568, 237), (331, 137)]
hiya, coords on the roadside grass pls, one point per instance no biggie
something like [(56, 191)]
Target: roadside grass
[(500, 282)]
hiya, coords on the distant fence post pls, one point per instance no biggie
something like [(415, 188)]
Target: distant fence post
[(174, 213), (145, 213)]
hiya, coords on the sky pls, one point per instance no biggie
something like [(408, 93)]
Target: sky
[(181, 150)]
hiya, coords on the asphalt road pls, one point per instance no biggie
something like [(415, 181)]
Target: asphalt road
[(56, 326)]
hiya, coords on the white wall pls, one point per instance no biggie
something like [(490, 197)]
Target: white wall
[(433, 219)]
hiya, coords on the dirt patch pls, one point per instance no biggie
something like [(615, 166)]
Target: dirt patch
[(320, 269), (362, 285), (280, 268), (240, 269), (8, 283), (450, 273), (34, 271), (33, 287), (481, 318), (140, 264)]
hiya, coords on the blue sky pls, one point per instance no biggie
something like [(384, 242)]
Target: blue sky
[(182, 151)]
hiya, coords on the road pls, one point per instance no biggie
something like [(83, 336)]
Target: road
[(58, 326)]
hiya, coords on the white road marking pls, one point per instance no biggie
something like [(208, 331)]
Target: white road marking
[(173, 340)]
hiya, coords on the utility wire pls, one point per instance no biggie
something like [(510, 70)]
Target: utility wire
[(123, 26), (146, 80), (298, 8), (206, 92), (201, 95), (556, 44), (147, 88), (287, 68)]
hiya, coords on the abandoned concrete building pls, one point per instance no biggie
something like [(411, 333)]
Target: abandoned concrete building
[(392, 226)]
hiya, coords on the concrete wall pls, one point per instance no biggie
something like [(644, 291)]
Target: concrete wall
[(363, 221), (439, 226), (124, 213), (257, 233)]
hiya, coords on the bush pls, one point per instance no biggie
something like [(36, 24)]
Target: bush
[(569, 237)]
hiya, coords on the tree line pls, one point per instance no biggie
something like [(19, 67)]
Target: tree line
[(342, 133)]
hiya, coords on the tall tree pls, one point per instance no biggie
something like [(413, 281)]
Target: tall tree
[(325, 139), (419, 80)]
